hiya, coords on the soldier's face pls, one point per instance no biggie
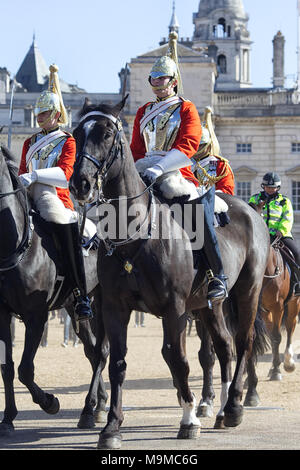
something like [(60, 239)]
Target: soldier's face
[(162, 83), (48, 119)]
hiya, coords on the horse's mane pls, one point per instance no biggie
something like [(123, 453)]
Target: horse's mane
[(13, 169)]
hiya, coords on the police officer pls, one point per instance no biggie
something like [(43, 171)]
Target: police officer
[(279, 217), (45, 169), (169, 129)]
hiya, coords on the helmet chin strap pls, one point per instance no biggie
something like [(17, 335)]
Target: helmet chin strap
[(42, 124), (164, 87)]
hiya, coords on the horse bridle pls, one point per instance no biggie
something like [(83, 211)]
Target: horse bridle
[(102, 170)]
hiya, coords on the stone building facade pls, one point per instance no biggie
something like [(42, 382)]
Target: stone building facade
[(258, 128)]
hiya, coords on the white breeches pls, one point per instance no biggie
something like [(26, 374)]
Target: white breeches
[(52, 209)]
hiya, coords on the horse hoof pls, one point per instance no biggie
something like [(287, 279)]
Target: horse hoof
[(100, 416), (6, 430), (276, 377), (232, 420), (219, 423), (53, 407), (289, 367), (107, 441), (86, 422), (252, 400), (188, 431), (205, 411)]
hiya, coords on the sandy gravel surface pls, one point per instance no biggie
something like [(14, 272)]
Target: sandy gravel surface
[(152, 414)]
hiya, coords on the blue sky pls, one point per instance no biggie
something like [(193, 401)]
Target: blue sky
[(92, 40)]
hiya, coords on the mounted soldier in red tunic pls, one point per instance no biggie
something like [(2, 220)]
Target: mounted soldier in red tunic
[(46, 167)]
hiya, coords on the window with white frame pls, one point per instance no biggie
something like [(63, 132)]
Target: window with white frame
[(243, 148), (243, 190), (295, 147), (296, 195)]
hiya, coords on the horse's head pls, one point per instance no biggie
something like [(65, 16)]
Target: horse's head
[(99, 144)]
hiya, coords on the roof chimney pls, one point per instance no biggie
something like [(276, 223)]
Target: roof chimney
[(278, 61)]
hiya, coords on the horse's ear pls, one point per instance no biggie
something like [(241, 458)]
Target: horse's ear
[(86, 104), (118, 108)]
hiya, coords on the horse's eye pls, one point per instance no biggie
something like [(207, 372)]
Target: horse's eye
[(107, 135)]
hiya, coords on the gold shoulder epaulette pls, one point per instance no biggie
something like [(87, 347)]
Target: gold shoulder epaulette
[(223, 159)]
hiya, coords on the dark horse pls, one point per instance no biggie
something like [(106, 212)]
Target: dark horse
[(153, 272), (277, 306), (27, 289)]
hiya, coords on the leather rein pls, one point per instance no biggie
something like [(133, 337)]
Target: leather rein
[(15, 258)]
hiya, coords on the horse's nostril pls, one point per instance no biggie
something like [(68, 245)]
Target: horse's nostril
[(85, 186)]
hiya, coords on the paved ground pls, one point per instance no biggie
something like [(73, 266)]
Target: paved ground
[(152, 415)]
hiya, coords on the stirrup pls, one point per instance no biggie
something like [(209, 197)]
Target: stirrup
[(296, 289), (82, 307), (216, 289)]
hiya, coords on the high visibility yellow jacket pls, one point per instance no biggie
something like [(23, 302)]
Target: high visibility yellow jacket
[(277, 213)]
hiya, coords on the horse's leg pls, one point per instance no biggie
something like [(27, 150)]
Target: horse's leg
[(174, 354), (34, 328), (102, 351), (222, 342), (260, 346), (7, 370), (115, 324), (245, 298), (206, 357), (96, 350), (290, 325), (277, 314)]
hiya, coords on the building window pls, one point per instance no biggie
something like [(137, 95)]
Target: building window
[(243, 148), (243, 190), (296, 195), (296, 147), (219, 30), (221, 62)]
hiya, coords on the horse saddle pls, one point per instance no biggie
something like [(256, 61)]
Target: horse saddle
[(289, 258), (62, 288)]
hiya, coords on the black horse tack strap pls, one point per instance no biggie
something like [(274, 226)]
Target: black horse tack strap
[(12, 261)]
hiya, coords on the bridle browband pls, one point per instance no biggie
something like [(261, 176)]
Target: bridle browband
[(102, 170)]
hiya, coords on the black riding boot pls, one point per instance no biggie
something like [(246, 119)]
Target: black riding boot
[(293, 263), (217, 289), (66, 237)]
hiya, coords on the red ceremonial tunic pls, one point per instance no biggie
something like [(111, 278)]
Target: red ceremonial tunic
[(226, 184), (187, 139), (65, 161)]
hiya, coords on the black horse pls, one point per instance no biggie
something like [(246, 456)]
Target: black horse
[(206, 356), (152, 271), (29, 289)]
